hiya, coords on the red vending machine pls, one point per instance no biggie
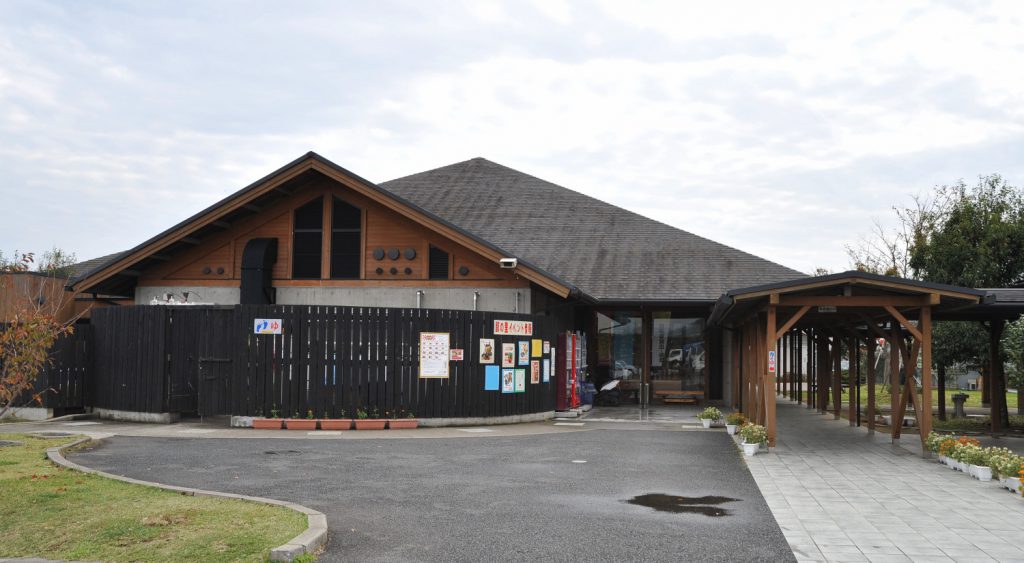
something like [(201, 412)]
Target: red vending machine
[(569, 366)]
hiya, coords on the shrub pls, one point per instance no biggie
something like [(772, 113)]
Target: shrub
[(933, 441), (753, 433), (1004, 462), (710, 413)]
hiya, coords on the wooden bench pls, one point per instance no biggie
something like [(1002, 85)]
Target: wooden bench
[(672, 392)]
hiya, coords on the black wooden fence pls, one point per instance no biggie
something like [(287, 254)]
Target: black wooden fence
[(208, 360), (64, 383)]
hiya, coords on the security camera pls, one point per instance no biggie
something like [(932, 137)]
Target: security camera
[(508, 263)]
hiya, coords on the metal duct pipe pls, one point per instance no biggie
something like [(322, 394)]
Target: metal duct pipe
[(476, 299), (419, 298)]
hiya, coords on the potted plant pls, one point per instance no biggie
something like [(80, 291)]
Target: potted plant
[(709, 415), (296, 423), (977, 463), (340, 423), (734, 420), (364, 420), (272, 423), (753, 436), (403, 420), (946, 446), (1006, 465)]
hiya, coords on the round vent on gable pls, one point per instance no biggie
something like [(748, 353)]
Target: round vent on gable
[(463, 271), (378, 253), (393, 253), (410, 253)]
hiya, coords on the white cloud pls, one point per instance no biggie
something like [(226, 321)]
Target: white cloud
[(778, 128)]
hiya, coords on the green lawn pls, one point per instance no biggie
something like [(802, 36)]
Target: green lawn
[(882, 397), (55, 513)]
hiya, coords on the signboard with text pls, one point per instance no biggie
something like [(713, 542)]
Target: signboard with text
[(267, 326), (771, 361), (514, 328)]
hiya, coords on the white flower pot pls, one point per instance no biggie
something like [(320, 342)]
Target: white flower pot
[(731, 429), (942, 458), (983, 473), (961, 466), (972, 470), (750, 449), (1013, 484), (706, 422)]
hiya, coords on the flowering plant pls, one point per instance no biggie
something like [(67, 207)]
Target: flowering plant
[(1004, 462), (933, 441), (736, 418), (753, 433), (946, 445), (710, 413), (963, 443)]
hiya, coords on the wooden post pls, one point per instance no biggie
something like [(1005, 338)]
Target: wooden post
[(924, 416), (851, 410), (871, 385), (770, 346), (737, 394), (800, 367), (942, 391), (837, 372), (894, 382), (994, 383)]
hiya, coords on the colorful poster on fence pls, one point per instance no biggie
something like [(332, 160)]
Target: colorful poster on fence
[(434, 350), (524, 353), (491, 378), (536, 348), (486, 350), (520, 381), (455, 354), (535, 371), (547, 370), (508, 355), (508, 381), (547, 346), (514, 328)]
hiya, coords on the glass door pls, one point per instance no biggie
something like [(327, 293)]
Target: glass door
[(677, 352), (620, 352)]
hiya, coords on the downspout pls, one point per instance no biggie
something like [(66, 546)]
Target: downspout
[(476, 298), (419, 298)]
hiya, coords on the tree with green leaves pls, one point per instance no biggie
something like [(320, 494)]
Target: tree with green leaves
[(963, 235)]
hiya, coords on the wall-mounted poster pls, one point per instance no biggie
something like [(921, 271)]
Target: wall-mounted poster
[(514, 328), (547, 346), (535, 371), (486, 350), (536, 348), (547, 370), (456, 354), (524, 353), (508, 381), (491, 378), (434, 349), (508, 355), (520, 381)]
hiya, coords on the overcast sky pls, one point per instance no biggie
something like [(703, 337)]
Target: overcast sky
[(780, 128)]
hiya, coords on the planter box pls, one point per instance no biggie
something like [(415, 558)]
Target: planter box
[(301, 423), (403, 424), (335, 424), (266, 423), (371, 423)]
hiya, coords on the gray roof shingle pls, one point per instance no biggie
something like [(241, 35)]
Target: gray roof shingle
[(608, 252)]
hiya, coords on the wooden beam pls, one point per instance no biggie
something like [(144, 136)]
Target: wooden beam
[(160, 257), (252, 207), (793, 320), (851, 411), (903, 321), (852, 301), (894, 383), (190, 240), (837, 384), (222, 224)]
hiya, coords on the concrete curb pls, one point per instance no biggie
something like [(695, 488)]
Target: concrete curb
[(309, 541)]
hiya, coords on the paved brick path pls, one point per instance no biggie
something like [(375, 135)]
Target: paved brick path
[(842, 495)]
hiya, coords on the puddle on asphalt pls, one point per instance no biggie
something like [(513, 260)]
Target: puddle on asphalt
[(271, 452), (683, 505)]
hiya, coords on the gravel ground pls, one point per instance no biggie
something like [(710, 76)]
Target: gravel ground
[(486, 498)]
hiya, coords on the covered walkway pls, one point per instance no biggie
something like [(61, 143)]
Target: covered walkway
[(842, 494)]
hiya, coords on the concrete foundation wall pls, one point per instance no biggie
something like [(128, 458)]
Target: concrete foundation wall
[(132, 416), (30, 413), (460, 298), (215, 295)]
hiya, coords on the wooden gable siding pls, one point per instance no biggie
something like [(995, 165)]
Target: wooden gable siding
[(220, 256)]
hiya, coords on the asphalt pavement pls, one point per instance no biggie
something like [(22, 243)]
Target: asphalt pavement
[(551, 496)]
